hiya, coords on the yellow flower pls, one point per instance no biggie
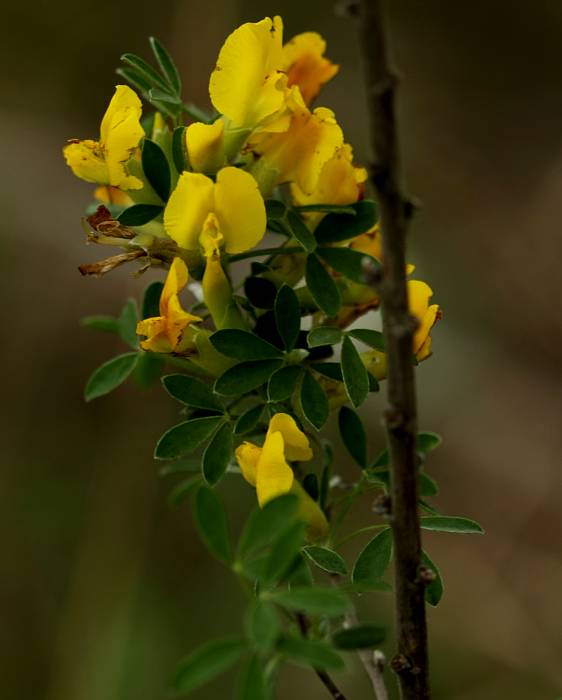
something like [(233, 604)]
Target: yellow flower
[(339, 182), (104, 161), (112, 195), (229, 215), (296, 154), (232, 207), (304, 63), (267, 468), (426, 314), (246, 84), (171, 331), (205, 146)]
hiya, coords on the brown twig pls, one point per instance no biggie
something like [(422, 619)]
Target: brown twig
[(331, 687), (411, 662)]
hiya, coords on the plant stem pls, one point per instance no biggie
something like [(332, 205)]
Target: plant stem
[(264, 251), (331, 687), (411, 663)]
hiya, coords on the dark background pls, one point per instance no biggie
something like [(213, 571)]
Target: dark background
[(103, 585)]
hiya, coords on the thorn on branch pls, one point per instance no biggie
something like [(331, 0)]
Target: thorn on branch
[(382, 504), (400, 664), (426, 575)]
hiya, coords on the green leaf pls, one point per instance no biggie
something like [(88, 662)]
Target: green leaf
[(310, 485), (210, 660), (314, 401), (283, 382), (107, 324), (362, 636), (179, 154), (326, 559), (450, 523), (139, 214), (156, 169), (148, 369), (275, 209), (353, 435), (151, 300), (310, 652), (284, 550), (157, 95), (287, 316), (245, 377), (110, 375), (185, 437), (373, 561), (355, 375), (135, 78), (248, 420), (374, 339), (348, 262), (332, 370), (427, 442), (427, 485), (323, 335), (128, 319), (243, 345), (145, 70), (182, 490), (327, 208), (315, 600), (322, 287), (264, 524), (191, 392), (434, 591), (341, 227), (262, 625), (210, 517), (253, 684), (167, 65), (218, 454), (301, 231)]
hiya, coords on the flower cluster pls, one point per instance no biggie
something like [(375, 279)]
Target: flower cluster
[(196, 198)]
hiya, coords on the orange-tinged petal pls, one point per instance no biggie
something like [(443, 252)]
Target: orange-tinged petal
[(176, 280), (305, 65)]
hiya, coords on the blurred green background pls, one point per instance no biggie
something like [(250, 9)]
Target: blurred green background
[(104, 586)]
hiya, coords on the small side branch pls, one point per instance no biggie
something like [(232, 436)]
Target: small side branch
[(411, 662), (327, 681)]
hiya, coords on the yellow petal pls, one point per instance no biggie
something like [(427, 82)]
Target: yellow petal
[(175, 282), (244, 85), (297, 446), (240, 210), (205, 146), (340, 182), (305, 65), (247, 456), (299, 154), (217, 291), (177, 325), (121, 132), (369, 243), (156, 337), (112, 195), (86, 160), (187, 209), (274, 476)]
